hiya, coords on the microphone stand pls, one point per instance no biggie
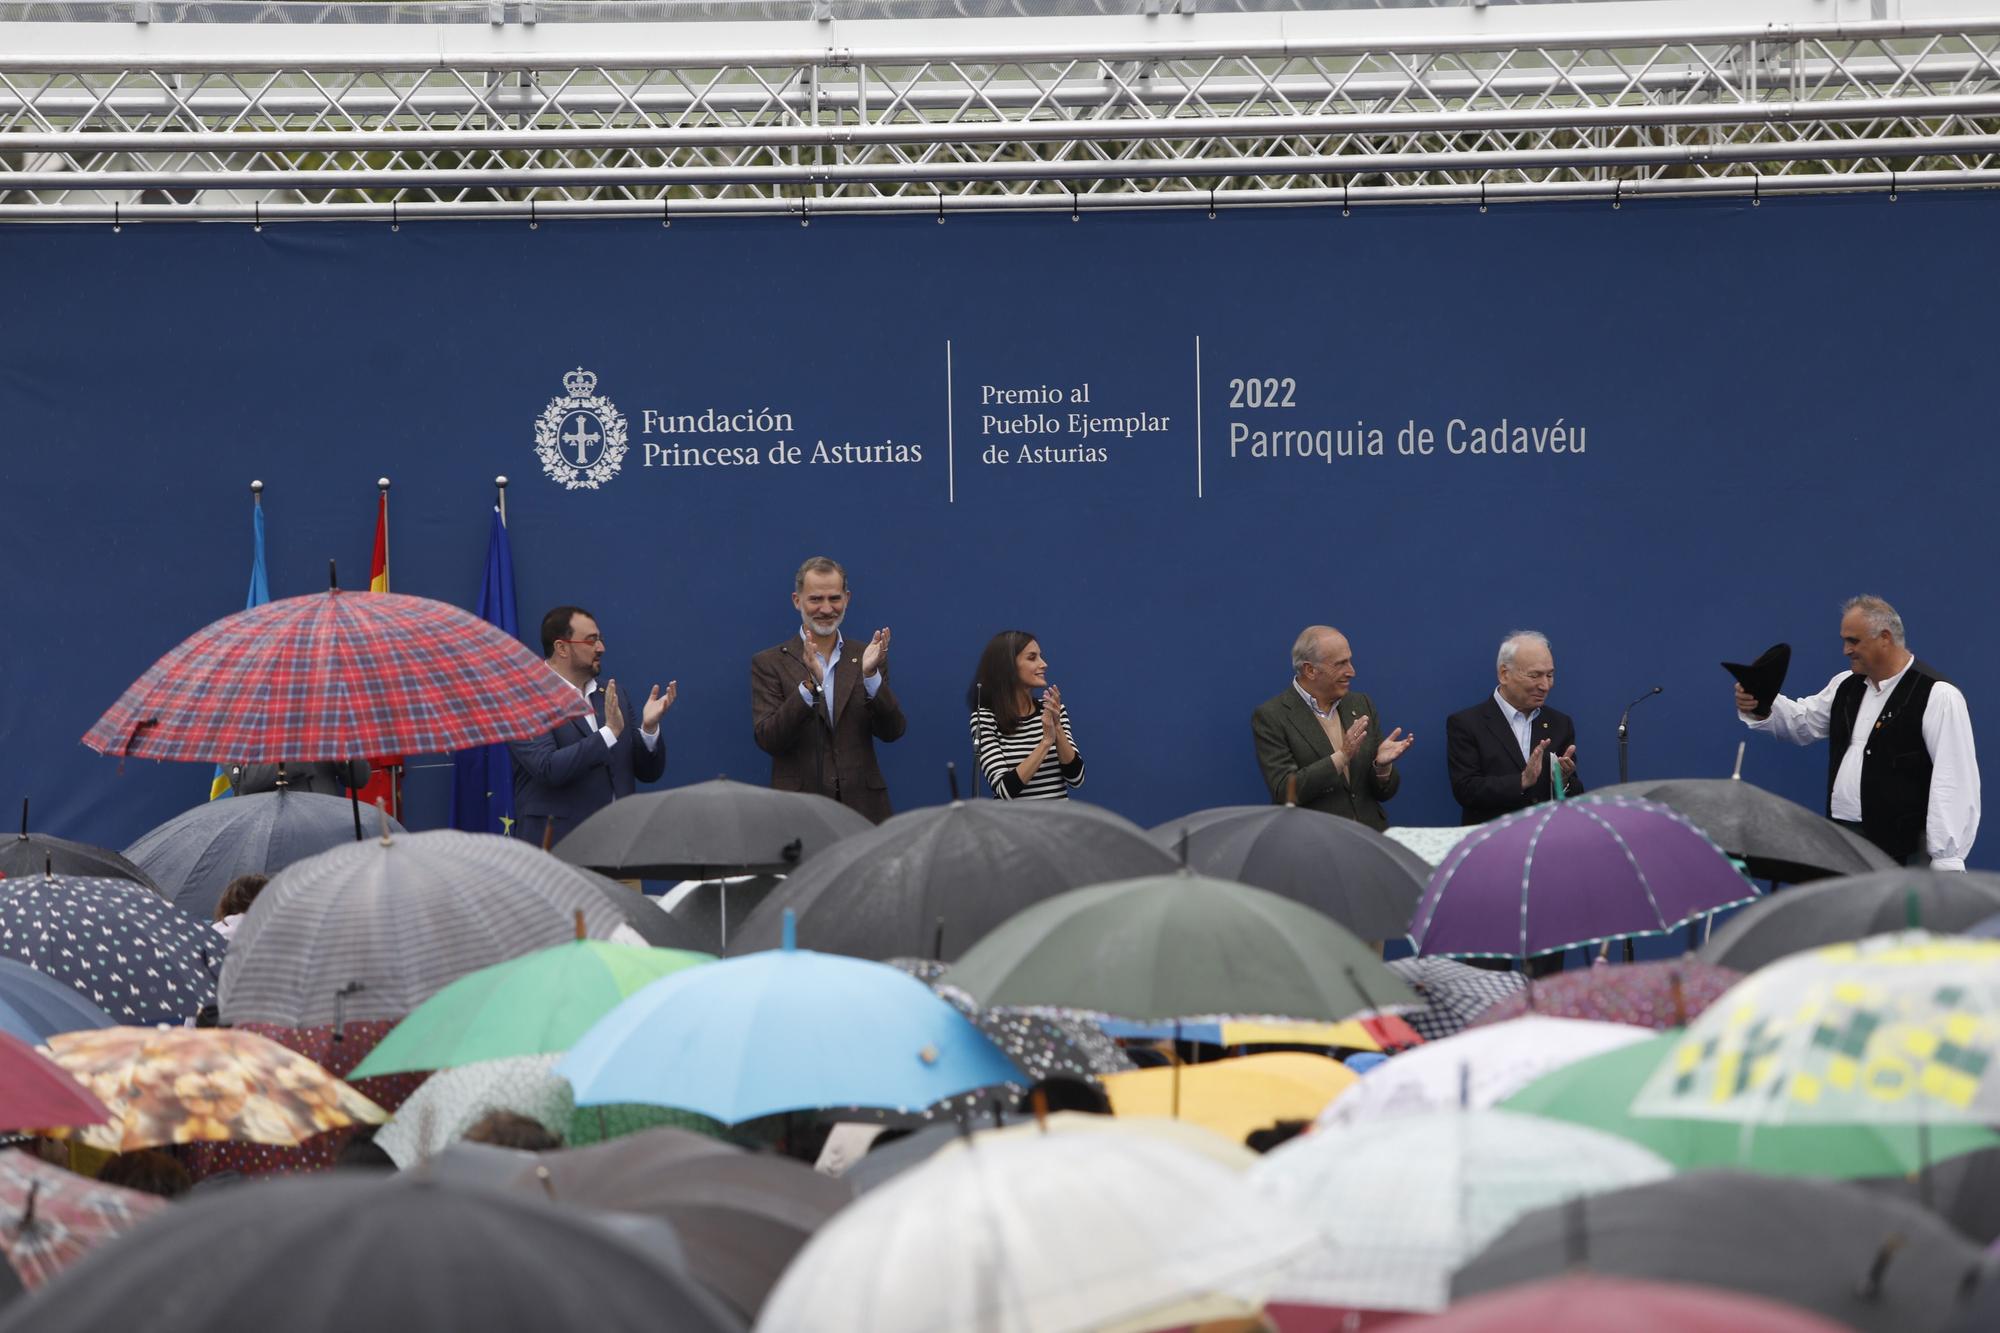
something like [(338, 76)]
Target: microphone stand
[(1625, 732)]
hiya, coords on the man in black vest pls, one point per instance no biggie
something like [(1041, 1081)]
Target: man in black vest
[(1901, 768)]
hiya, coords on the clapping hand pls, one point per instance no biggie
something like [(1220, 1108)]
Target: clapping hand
[(657, 705), (614, 711), (876, 653), (1533, 772), (1568, 761), (1392, 747), (1051, 711)]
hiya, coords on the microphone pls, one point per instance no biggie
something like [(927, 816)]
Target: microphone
[(1624, 731)]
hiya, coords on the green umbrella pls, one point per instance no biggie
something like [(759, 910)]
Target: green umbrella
[(538, 1004), (1598, 1092), (1178, 946)]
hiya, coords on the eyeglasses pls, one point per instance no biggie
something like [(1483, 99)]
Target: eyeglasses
[(594, 640)]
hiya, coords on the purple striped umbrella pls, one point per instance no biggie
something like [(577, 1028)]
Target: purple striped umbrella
[(1573, 873)]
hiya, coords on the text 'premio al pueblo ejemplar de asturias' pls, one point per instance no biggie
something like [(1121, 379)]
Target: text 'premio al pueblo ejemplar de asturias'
[(1053, 423)]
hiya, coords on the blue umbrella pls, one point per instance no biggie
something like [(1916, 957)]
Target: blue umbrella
[(118, 943), (783, 1030), (34, 1007)]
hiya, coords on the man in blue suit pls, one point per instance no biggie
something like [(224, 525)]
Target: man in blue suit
[(563, 777)]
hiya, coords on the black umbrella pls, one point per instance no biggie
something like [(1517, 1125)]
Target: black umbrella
[(708, 910), (356, 1252), (1776, 838), (1872, 1263), (1963, 1190), (194, 855), (930, 882), (29, 853), (644, 916), (739, 1216), (1346, 870), (1853, 907), (117, 943), (708, 829)]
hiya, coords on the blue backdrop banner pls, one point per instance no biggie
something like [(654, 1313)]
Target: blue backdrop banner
[(1664, 435)]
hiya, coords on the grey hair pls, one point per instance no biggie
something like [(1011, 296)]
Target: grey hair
[(818, 564), (1512, 644), (1880, 615), (1305, 648)]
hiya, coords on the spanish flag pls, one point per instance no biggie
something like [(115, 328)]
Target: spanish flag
[(383, 780)]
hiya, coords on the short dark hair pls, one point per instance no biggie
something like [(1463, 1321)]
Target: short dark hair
[(556, 625), (996, 684), (240, 893), (509, 1129), (818, 564)]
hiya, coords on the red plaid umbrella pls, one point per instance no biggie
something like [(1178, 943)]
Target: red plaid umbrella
[(50, 1217), (336, 676), (35, 1090), (1648, 995)]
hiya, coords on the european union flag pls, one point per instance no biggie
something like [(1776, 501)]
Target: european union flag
[(260, 593), (482, 780)]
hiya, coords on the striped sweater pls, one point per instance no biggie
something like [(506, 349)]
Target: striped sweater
[(999, 755)]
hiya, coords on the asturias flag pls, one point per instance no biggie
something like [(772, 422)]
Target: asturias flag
[(482, 780), (260, 593)]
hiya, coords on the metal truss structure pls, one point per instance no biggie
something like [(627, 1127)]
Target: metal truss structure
[(116, 110)]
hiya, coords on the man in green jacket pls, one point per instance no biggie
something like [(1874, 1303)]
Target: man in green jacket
[(1319, 744)]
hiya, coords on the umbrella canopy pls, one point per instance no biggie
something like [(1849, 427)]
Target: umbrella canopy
[(335, 676), (343, 1252), (1964, 1190), (452, 1101), (881, 1165), (642, 913), (182, 1085), (115, 942), (1776, 839), (784, 1030), (194, 855), (537, 1005), (34, 1006), (1893, 1029), (1041, 1043), (1873, 1264), (1647, 995), (1577, 1304), (1476, 1068), (708, 910), (1040, 1231), (35, 1090), (1573, 872), (50, 1218), (1232, 1098), (44, 854), (709, 829), (1178, 946), (740, 1216), (1598, 1090), (1346, 870), (960, 869), (1453, 993), (373, 929), (1405, 1200), (1851, 908)]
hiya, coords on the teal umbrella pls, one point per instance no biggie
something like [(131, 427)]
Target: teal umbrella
[(1178, 946)]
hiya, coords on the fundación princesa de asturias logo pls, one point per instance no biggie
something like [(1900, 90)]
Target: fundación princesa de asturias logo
[(580, 438)]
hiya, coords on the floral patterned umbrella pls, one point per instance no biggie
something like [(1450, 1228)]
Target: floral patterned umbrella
[(1647, 995), (180, 1085), (50, 1217)]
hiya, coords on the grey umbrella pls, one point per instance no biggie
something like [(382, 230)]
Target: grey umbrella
[(1872, 1263), (194, 855), (1963, 1190), (372, 929), (740, 1216), (1777, 839), (707, 830), (931, 882), (644, 916), (1346, 870), (1853, 907), (358, 1252), (29, 853)]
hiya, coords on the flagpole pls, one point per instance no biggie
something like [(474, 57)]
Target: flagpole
[(500, 498)]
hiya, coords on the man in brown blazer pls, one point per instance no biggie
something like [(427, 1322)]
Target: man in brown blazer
[(1326, 738), (818, 704)]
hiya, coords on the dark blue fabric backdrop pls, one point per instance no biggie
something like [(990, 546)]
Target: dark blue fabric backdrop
[(1780, 406)]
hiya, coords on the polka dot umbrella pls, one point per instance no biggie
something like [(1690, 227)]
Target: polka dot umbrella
[(122, 946)]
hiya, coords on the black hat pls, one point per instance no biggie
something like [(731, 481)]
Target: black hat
[(1765, 677)]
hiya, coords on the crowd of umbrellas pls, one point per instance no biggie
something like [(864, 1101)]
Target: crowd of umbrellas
[(987, 1066)]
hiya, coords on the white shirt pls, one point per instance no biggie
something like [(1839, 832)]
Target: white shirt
[(651, 738), (1522, 723), (1952, 820)]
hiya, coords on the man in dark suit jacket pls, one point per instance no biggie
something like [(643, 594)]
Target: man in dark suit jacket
[(566, 775), (1500, 752), (818, 704), (1319, 744)]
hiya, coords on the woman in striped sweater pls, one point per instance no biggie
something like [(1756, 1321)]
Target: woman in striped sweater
[(1025, 748)]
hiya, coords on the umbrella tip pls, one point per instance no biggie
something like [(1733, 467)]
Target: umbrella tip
[(1913, 915), (332, 577), (791, 938), (580, 932), (951, 777), (382, 817)]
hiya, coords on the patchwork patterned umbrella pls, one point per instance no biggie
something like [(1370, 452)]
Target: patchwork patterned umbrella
[(1453, 993), (1648, 995), (117, 943), (34, 1006), (1895, 1028), (181, 1085), (335, 676), (50, 1218)]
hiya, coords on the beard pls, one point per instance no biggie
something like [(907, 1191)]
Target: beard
[(823, 628)]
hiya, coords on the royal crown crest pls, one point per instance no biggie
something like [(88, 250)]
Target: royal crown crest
[(580, 438)]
